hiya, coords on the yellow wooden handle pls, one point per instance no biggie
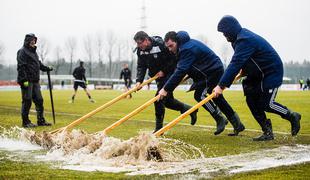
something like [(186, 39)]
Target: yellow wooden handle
[(134, 112), (182, 116), (81, 119)]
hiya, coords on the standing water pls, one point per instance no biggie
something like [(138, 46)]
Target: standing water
[(143, 154)]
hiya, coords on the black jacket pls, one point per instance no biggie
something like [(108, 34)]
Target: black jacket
[(79, 73), (28, 63), (126, 73), (156, 58)]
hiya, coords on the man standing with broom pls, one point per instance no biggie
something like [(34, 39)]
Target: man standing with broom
[(28, 67)]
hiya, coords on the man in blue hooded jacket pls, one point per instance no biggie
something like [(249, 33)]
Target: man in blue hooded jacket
[(205, 68), (263, 68)]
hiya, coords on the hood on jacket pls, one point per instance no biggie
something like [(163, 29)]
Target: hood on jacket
[(29, 38), (230, 26), (182, 37)]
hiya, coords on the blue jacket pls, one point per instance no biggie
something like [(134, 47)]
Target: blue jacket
[(253, 54), (194, 59)]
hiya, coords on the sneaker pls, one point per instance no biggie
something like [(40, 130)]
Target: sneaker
[(29, 125), (70, 101), (92, 101)]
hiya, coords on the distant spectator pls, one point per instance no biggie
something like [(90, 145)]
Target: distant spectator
[(307, 86), (301, 82), (126, 73), (62, 84)]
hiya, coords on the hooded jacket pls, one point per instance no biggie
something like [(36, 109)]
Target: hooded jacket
[(253, 54), (156, 58), (194, 59), (28, 63)]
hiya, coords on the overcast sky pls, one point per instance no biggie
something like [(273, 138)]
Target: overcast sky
[(284, 23)]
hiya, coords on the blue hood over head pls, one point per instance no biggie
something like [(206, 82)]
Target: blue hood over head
[(182, 37), (230, 26)]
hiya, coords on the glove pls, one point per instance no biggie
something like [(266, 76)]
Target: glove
[(86, 82), (26, 84), (50, 68)]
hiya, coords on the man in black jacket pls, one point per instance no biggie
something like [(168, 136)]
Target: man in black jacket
[(28, 67), (156, 58), (126, 73), (80, 80)]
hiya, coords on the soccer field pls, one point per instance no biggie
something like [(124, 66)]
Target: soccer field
[(200, 136)]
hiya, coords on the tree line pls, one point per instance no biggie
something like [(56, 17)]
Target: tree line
[(105, 55)]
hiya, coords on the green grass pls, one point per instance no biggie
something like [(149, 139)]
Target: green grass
[(198, 136)]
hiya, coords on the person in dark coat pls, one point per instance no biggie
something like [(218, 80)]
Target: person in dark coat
[(28, 68), (205, 68), (156, 58), (126, 73), (263, 68), (80, 80)]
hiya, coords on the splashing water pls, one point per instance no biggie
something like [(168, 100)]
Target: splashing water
[(143, 154)]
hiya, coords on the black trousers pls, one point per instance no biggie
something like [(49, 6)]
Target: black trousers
[(260, 102), (202, 88), (128, 82), (169, 101), (29, 94)]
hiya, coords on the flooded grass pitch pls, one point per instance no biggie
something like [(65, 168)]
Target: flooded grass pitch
[(140, 155)]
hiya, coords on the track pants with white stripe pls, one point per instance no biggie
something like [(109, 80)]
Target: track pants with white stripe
[(261, 102), (220, 102)]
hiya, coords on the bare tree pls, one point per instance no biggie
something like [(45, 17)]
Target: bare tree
[(59, 60), (111, 41), (43, 48), (203, 39), (2, 49), (71, 45), (225, 52), (99, 49), (89, 51)]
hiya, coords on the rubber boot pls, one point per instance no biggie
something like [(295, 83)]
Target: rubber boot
[(41, 120), (26, 122), (294, 119), (220, 120), (158, 124), (268, 134), (236, 123), (193, 114)]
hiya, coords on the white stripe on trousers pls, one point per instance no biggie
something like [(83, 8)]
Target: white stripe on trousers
[(275, 106), (208, 104)]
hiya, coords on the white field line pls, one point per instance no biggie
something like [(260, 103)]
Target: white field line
[(149, 121)]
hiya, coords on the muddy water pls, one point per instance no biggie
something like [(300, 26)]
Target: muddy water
[(81, 151)]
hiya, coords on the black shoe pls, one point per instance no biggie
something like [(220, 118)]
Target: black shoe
[(295, 123), (29, 125), (264, 137), (43, 123), (194, 117)]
